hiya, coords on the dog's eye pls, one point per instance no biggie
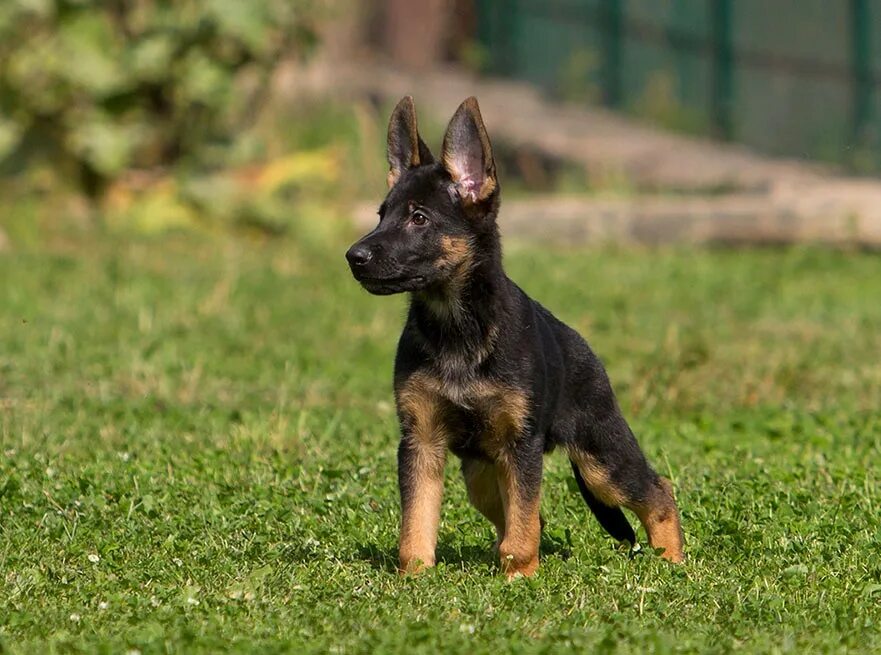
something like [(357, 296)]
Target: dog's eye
[(418, 218)]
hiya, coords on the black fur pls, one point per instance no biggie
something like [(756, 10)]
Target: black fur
[(470, 328), (611, 518)]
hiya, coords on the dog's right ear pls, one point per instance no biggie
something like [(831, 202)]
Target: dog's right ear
[(406, 149)]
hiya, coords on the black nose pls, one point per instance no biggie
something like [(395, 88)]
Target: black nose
[(359, 255)]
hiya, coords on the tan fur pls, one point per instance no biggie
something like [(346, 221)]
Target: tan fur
[(482, 483), (404, 111), (456, 251), (424, 401), (418, 400), (489, 182), (506, 411), (597, 478), (424, 410), (393, 176), (421, 517), (505, 407), (486, 188), (457, 258), (660, 517), (658, 514), (518, 550)]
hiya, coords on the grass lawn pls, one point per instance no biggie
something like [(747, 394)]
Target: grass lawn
[(197, 454)]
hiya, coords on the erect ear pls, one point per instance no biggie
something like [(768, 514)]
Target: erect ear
[(468, 155), (406, 149)]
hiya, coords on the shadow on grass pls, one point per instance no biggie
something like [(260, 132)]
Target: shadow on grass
[(379, 557), (453, 554)]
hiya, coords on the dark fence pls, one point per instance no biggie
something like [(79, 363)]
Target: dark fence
[(790, 77)]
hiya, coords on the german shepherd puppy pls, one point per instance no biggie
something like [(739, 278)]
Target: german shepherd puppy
[(484, 371)]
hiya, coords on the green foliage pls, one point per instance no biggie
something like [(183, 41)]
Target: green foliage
[(96, 87), (578, 75), (197, 455), (659, 104)]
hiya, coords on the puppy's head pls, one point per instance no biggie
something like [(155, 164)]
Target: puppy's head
[(435, 212)]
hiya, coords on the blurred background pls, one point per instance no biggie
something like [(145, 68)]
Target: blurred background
[(197, 431), (790, 78), (635, 117)]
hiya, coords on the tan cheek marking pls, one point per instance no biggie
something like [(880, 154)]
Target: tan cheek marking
[(455, 251), (457, 256)]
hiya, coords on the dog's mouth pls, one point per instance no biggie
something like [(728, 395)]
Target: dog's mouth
[(388, 285)]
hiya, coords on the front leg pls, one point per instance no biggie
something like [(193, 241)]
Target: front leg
[(520, 486), (425, 419), (421, 481)]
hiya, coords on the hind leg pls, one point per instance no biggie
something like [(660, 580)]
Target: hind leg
[(659, 515), (482, 483), (622, 477), (611, 518)]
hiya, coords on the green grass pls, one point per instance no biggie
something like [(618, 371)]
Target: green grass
[(198, 455)]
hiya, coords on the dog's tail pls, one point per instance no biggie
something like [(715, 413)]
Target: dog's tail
[(611, 518)]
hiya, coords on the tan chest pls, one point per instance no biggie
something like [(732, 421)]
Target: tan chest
[(434, 410)]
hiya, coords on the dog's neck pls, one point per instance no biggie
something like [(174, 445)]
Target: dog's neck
[(459, 321)]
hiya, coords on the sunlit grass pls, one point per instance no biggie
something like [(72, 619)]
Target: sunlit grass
[(197, 454)]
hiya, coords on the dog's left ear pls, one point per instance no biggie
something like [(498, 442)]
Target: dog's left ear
[(406, 149), (468, 155)]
